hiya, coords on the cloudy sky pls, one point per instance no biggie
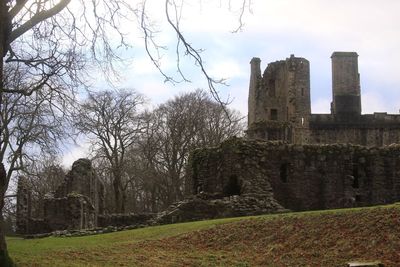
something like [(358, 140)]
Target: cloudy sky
[(273, 29)]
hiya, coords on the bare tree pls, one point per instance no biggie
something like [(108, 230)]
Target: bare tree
[(30, 124), (103, 172), (53, 40), (36, 120), (40, 41), (144, 172), (187, 122), (9, 213), (155, 176), (112, 119)]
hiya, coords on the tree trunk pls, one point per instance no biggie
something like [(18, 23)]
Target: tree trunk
[(153, 196), (4, 23), (118, 193), (123, 204), (5, 260)]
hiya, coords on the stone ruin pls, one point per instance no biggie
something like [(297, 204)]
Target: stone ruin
[(75, 204), (290, 160), (299, 177)]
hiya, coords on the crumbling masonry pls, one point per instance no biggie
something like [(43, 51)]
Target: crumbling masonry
[(299, 177), (76, 203)]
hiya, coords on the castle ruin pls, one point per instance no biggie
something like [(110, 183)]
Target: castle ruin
[(300, 160), (279, 106), (290, 160)]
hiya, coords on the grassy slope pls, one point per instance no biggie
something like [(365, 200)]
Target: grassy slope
[(323, 238)]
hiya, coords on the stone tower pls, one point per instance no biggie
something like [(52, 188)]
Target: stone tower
[(24, 211), (345, 86), (279, 100), (255, 108)]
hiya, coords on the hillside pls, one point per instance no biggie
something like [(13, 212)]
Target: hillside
[(320, 238)]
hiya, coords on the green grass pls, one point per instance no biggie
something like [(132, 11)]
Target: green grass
[(40, 252), (314, 238)]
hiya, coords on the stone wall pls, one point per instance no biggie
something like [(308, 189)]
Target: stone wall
[(378, 129), (37, 226), (74, 211), (76, 203), (81, 179), (205, 206), (299, 177), (124, 219)]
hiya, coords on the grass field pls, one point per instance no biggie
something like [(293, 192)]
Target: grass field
[(318, 238)]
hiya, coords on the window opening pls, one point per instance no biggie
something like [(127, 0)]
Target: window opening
[(232, 187), (284, 173), (274, 114)]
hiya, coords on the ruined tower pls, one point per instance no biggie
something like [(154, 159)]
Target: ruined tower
[(345, 86), (279, 100), (24, 211), (255, 107)]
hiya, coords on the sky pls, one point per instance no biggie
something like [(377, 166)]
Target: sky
[(273, 30)]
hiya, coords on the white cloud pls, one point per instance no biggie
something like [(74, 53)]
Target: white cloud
[(373, 101), (227, 68), (75, 152)]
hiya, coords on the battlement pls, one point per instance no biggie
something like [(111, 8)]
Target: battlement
[(375, 120)]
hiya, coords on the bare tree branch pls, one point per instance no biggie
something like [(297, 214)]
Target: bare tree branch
[(195, 54), (36, 19)]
